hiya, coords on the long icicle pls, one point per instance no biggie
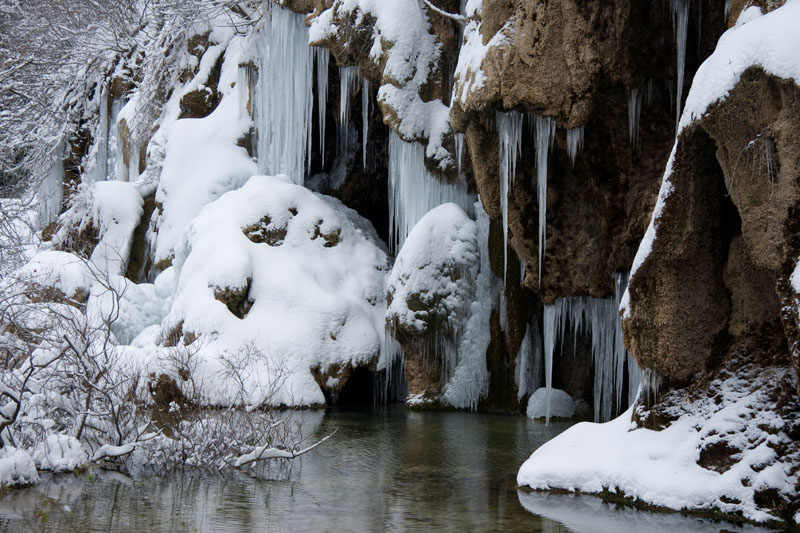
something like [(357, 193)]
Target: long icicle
[(509, 130), (545, 128), (322, 56), (364, 121)]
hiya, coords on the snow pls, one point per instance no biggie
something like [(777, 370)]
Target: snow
[(66, 272), (116, 211), (661, 467), (60, 453), (202, 161), (316, 290), (16, 468), (469, 76), (561, 404)]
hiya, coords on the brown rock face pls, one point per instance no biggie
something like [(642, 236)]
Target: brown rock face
[(726, 239)]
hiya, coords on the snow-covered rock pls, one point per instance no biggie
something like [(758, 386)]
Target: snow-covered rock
[(293, 274), (433, 280), (16, 468)]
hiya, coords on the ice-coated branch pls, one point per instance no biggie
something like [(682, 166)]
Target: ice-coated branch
[(263, 453), (452, 16)]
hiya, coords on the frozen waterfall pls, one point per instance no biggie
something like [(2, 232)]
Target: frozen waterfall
[(284, 94)]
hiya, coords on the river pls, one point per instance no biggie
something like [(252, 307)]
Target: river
[(386, 469)]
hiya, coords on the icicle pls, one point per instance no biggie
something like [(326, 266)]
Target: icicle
[(51, 189), (634, 110), (349, 79), (545, 128), (285, 97), (509, 130), (100, 170), (364, 121), (413, 191), (549, 338), (727, 9), (649, 91), (680, 20), (459, 140), (574, 142), (322, 58), (115, 164)]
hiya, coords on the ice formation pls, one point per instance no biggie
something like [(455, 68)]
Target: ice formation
[(545, 129), (459, 142), (680, 19), (365, 110), (509, 130), (322, 57), (413, 191), (349, 80), (574, 142), (50, 192), (634, 110), (284, 94), (601, 320)]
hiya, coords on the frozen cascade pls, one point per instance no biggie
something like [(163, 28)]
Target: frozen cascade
[(601, 320), (284, 101), (364, 121), (116, 158), (634, 110), (322, 57), (545, 128), (413, 191), (509, 130), (50, 192), (108, 161), (680, 19), (99, 171), (574, 142), (459, 140), (349, 80)]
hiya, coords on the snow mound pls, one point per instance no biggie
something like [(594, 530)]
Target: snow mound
[(63, 271), (16, 468), (663, 468), (561, 404), (60, 453), (432, 283), (291, 274)]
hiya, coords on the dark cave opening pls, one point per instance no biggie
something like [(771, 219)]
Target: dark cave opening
[(359, 391)]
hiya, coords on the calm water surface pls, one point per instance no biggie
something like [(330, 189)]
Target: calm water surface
[(385, 470)]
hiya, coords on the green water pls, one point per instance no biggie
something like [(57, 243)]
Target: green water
[(385, 470)]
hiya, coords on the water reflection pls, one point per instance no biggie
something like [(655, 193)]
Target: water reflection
[(385, 470)]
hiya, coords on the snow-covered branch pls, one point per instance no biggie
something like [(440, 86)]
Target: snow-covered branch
[(452, 16)]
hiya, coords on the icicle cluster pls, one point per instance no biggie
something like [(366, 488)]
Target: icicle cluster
[(349, 81), (284, 95), (574, 142), (413, 191), (601, 320), (509, 130), (459, 141)]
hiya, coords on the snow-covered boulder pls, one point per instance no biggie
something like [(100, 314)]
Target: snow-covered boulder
[(61, 271), (561, 404), (16, 468), (433, 279), (295, 275), (60, 453)]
